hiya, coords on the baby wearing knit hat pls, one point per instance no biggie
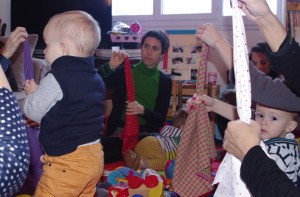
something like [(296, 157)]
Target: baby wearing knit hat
[(277, 109)]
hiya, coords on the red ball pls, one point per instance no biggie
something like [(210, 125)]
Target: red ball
[(135, 27)]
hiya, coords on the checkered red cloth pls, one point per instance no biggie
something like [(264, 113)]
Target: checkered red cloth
[(130, 133), (192, 174)]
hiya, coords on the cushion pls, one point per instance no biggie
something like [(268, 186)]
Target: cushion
[(17, 60)]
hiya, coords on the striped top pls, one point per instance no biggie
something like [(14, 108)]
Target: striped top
[(169, 138), (285, 152)]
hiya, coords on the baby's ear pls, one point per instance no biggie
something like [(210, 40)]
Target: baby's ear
[(64, 48), (291, 126)]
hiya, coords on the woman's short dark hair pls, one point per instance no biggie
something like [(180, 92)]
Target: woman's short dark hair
[(159, 35), (259, 47)]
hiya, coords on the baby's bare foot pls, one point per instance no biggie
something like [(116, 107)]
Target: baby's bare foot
[(129, 158)]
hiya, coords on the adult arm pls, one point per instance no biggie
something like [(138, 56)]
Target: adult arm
[(107, 69), (157, 117), (9, 48), (262, 86), (209, 34), (263, 177), (259, 172), (286, 61), (108, 75), (284, 51), (259, 12), (38, 103)]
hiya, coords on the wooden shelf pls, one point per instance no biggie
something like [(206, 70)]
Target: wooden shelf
[(181, 90), (291, 6)]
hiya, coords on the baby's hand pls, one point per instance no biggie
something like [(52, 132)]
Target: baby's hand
[(30, 86), (31, 123)]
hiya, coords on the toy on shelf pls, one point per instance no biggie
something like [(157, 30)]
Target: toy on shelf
[(124, 33), (135, 27)]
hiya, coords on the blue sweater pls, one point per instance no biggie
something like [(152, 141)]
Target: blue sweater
[(77, 118)]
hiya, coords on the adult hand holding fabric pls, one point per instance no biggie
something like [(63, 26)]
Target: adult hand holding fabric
[(14, 39), (259, 12), (117, 58), (235, 133), (254, 9)]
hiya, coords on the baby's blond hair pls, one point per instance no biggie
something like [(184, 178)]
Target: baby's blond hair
[(80, 28), (180, 117)]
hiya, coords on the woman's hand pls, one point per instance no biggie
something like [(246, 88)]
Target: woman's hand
[(15, 38), (209, 34), (240, 137), (116, 59), (134, 108), (254, 9)]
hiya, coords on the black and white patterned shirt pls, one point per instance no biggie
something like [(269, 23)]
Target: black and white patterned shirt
[(285, 152)]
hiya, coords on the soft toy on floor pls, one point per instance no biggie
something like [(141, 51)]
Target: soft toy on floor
[(120, 175), (147, 182)]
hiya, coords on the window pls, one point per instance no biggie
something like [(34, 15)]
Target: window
[(180, 14), (125, 7), (145, 7), (227, 11), (188, 7)]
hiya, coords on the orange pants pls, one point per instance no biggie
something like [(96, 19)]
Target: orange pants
[(73, 174)]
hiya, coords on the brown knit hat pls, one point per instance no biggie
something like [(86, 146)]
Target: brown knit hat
[(275, 93)]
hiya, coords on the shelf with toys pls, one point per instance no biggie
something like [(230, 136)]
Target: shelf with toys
[(293, 18), (123, 33)]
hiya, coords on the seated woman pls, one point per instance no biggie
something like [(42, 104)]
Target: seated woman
[(152, 92)]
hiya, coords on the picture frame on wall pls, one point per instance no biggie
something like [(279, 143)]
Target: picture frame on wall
[(183, 54)]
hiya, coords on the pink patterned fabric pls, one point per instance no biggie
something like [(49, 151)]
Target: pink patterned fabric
[(130, 133), (192, 174), (228, 175)]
